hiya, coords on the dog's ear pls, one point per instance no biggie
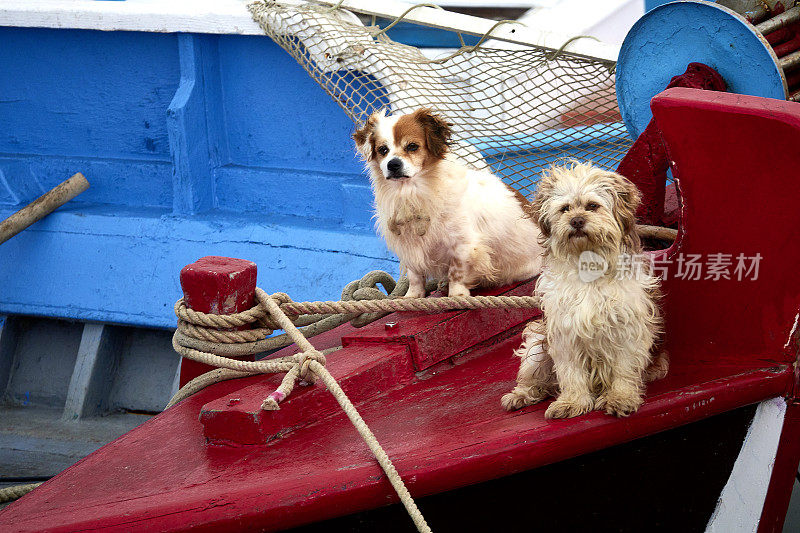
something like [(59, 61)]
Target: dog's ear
[(626, 201), (363, 135), (544, 190), (437, 131)]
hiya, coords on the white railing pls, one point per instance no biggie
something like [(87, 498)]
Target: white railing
[(231, 16)]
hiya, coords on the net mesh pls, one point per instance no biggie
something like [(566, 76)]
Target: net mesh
[(514, 111)]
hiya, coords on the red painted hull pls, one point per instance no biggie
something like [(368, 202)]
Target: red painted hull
[(442, 432), (430, 387)]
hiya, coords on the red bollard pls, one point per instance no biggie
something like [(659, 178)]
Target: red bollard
[(219, 285)]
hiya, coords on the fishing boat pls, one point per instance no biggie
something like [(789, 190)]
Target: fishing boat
[(154, 103), (715, 446)]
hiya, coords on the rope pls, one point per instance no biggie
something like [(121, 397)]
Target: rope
[(374, 446), (307, 365), (289, 307), (209, 338), (402, 16), (201, 331), (205, 380), (316, 365), (563, 47), (365, 288), (195, 337), (470, 49), (445, 303), (15, 492), (657, 232)]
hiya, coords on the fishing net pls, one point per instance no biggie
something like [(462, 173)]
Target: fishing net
[(513, 110)]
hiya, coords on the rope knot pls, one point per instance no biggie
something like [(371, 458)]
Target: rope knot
[(304, 359), (281, 298)]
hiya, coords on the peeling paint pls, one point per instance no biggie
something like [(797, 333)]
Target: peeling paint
[(792, 333)]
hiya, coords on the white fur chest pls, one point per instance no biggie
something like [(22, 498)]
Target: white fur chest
[(605, 307), (425, 245)]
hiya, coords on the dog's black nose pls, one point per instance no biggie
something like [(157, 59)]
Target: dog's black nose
[(394, 165), (577, 222)]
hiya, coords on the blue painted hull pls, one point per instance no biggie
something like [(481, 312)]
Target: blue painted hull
[(194, 145)]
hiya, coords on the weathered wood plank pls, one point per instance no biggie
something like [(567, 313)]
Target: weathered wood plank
[(94, 367)]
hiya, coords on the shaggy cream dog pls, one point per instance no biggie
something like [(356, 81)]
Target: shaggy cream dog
[(443, 220), (594, 346)]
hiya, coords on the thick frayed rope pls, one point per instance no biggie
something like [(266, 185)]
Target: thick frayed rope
[(9, 494), (306, 365), (206, 338), (287, 306)]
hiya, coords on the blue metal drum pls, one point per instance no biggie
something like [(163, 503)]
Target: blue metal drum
[(664, 41)]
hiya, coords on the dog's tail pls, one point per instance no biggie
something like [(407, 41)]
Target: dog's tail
[(482, 265)]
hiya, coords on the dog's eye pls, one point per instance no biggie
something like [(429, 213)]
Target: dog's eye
[(383, 150), (564, 209), (592, 206), (412, 147)]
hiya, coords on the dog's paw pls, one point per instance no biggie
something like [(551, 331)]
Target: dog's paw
[(569, 408), (415, 293), (457, 289), (519, 398), (658, 368), (618, 404)]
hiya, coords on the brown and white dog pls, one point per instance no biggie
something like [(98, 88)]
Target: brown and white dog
[(596, 344), (442, 219)]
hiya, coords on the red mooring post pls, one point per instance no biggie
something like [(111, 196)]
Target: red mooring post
[(219, 285)]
